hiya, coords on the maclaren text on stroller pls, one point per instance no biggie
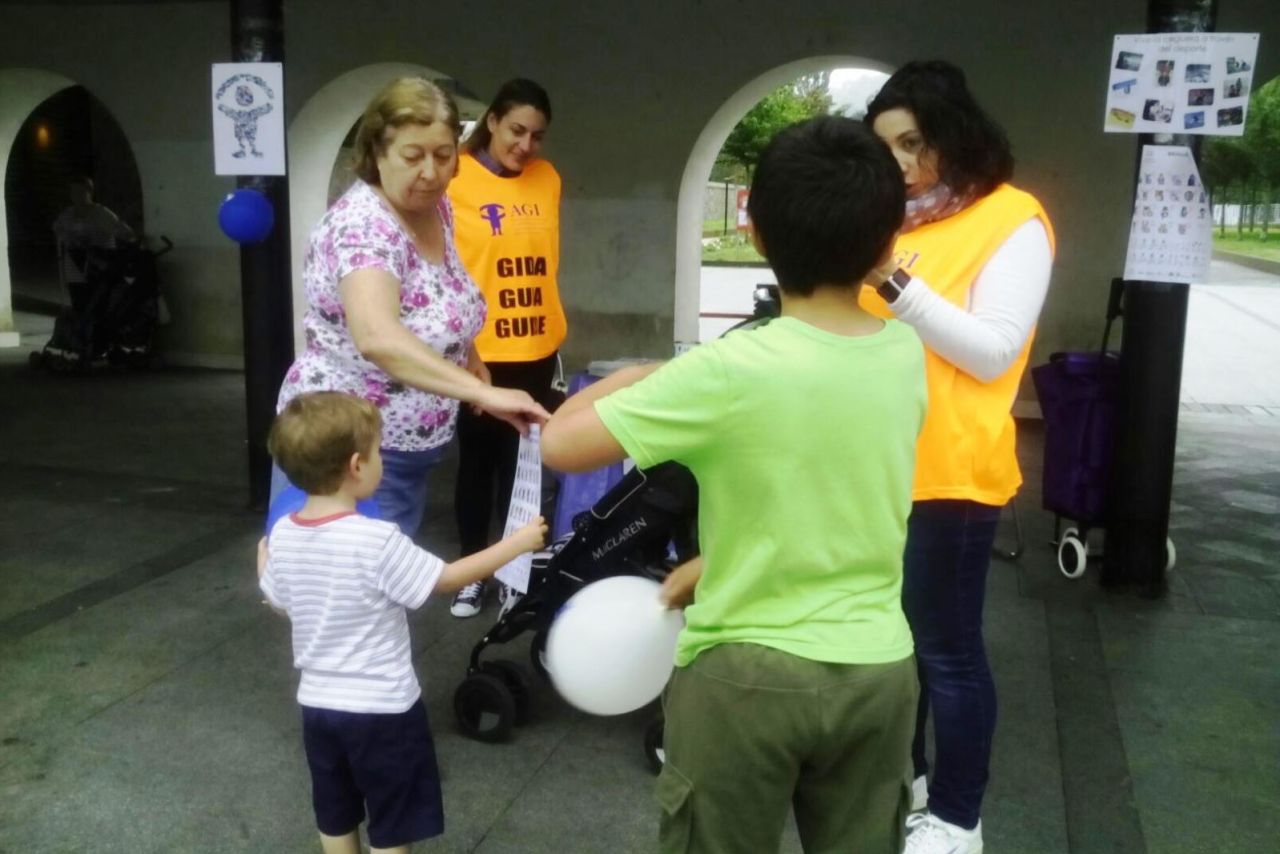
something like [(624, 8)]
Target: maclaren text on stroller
[(644, 526)]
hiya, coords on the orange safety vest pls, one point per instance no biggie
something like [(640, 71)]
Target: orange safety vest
[(966, 447), (508, 236)]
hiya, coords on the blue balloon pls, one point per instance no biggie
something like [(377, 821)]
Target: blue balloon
[(246, 216), (291, 499)]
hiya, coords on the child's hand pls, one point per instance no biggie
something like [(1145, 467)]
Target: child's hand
[(532, 536), (677, 588), (262, 557)]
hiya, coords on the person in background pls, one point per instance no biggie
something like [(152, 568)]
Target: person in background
[(345, 582), (969, 272), (794, 686), (81, 230), (506, 203), (392, 313)]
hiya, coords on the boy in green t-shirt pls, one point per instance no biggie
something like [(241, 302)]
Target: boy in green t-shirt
[(795, 683)]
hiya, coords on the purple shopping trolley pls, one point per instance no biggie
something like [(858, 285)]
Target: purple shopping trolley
[(1078, 395)]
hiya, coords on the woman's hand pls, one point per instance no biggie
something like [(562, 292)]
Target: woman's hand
[(512, 405), (879, 275)]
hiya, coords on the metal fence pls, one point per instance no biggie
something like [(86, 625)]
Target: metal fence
[(1261, 213), (720, 203)]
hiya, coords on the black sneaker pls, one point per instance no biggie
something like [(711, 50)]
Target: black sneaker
[(469, 600)]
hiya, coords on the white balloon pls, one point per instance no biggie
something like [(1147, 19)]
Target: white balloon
[(612, 646)]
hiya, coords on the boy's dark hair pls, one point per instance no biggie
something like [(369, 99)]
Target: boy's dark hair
[(520, 92), (827, 200), (314, 436), (973, 152)]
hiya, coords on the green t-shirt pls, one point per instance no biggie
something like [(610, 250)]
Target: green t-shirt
[(803, 445)]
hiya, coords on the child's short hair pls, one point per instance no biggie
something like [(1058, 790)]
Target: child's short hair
[(314, 436), (826, 200)]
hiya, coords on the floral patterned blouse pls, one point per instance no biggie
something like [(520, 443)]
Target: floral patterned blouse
[(439, 303)]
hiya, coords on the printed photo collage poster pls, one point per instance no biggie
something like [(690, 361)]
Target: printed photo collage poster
[(1171, 239), (1193, 83)]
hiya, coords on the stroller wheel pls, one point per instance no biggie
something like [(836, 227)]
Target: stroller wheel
[(538, 655), (1072, 556), (484, 707), (516, 678), (654, 753)]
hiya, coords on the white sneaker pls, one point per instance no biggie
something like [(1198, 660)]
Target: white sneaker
[(928, 834), (469, 600), (919, 793)]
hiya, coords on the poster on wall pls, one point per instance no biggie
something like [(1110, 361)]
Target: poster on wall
[(1195, 83), (1171, 239), (248, 118)]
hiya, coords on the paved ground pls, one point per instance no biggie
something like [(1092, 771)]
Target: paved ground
[(146, 695), (1233, 339)]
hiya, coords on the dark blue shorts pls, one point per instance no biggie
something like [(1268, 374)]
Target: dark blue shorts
[(383, 763)]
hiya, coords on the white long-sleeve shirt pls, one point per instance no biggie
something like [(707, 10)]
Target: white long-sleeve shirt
[(984, 338)]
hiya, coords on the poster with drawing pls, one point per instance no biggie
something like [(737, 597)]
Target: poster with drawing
[(1195, 83), (526, 505), (248, 118), (1172, 235)]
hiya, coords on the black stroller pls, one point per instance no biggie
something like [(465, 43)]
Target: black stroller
[(113, 314), (644, 526)]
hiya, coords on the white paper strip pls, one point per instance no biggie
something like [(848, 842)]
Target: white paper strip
[(526, 504)]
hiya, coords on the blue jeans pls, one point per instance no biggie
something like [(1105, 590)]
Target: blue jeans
[(944, 585), (401, 496)]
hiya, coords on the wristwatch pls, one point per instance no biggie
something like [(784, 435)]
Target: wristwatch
[(893, 285)]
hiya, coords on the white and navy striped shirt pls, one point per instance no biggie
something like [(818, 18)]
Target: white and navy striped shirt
[(345, 582)]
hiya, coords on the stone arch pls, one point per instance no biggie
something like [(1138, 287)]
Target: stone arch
[(315, 138), (22, 90), (698, 168)]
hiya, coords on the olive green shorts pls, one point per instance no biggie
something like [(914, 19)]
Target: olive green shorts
[(752, 732)]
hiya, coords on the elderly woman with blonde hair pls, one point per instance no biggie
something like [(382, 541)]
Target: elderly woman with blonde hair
[(392, 313)]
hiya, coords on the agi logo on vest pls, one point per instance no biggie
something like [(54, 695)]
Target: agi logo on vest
[(494, 213)]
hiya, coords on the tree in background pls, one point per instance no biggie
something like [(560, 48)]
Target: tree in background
[(1225, 163), (1262, 138), (1246, 170), (801, 99)]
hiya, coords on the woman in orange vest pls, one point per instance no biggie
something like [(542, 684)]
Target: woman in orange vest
[(969, 273), (506, 202)]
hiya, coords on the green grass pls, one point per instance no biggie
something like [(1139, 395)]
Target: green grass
[(735, 247), (1251, 243), (715, 227)]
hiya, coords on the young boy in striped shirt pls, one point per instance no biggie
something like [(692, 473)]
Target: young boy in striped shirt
[(344, 581)]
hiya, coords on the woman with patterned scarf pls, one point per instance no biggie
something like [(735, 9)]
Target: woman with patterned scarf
[(969, 273)]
